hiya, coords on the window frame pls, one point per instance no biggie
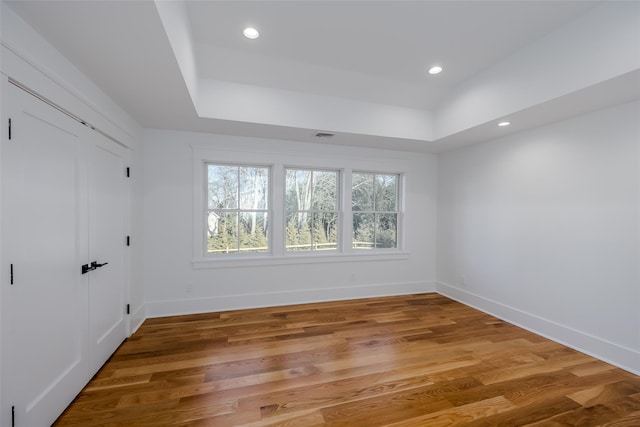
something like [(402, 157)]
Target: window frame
[(277, 160), (399, 198), (239, 210), (339, 212)]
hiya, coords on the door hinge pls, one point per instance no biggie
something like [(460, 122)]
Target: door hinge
[(128, 309), (11, 272), (128, 172), (13, 416), (9, 128), (128, 240)]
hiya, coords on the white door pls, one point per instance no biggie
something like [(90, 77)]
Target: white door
[(107, 323), (62, 207), (44, 310)]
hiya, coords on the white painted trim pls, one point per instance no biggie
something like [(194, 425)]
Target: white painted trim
[(274, 299), (615, 354), (4, 85), (313, 258)]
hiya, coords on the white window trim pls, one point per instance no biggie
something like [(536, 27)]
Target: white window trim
[(310, 258), (278, 162)]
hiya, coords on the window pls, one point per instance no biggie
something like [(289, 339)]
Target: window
[(238, 213), (311, 205), (374, 202), (269, 208)]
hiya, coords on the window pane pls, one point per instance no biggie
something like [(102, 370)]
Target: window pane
[(253, 232), (298, 187), (325, 191), (325, 231), (362, 192), (363, 230), (386, 230), (298, 236), (311, 205), (375, 207), (386, 193), (222, 187), (238, 207), (223, 234), (254, 187)]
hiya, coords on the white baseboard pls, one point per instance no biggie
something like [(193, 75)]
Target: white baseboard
[(236, 302), (617, 355)]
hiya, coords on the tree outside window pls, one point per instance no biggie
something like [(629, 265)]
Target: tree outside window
[(374, 203), (238, 209), (311, 205)]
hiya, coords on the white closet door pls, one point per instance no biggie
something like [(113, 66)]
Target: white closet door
[(107, 325), (44, 310)]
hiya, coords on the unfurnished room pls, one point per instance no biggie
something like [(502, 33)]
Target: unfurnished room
[(319, 213)]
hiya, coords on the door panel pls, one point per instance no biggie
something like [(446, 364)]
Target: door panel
[(44, 310), (106, 245)]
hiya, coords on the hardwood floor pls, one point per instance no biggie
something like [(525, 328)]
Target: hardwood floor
[(418, 360)]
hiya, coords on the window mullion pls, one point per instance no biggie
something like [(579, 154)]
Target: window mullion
[(345, 216), (237, 209), (312, 214), (278, 218)]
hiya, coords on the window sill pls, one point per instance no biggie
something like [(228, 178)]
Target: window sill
[(267, 260)]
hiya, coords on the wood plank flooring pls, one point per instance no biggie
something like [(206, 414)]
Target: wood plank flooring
[(418, 360)]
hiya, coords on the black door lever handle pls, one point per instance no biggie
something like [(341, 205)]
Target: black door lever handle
[(95, 265)]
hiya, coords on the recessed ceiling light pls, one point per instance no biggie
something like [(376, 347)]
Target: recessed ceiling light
[(435, 69), (251, 33), (503, 124)]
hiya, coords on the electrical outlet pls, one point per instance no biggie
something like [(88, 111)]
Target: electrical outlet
[(189, 287), (461, 281)]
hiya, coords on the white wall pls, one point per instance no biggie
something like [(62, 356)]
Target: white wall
[(542, 228), (174, 284)]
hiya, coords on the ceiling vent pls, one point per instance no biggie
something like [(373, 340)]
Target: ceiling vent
[(324, 135)]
